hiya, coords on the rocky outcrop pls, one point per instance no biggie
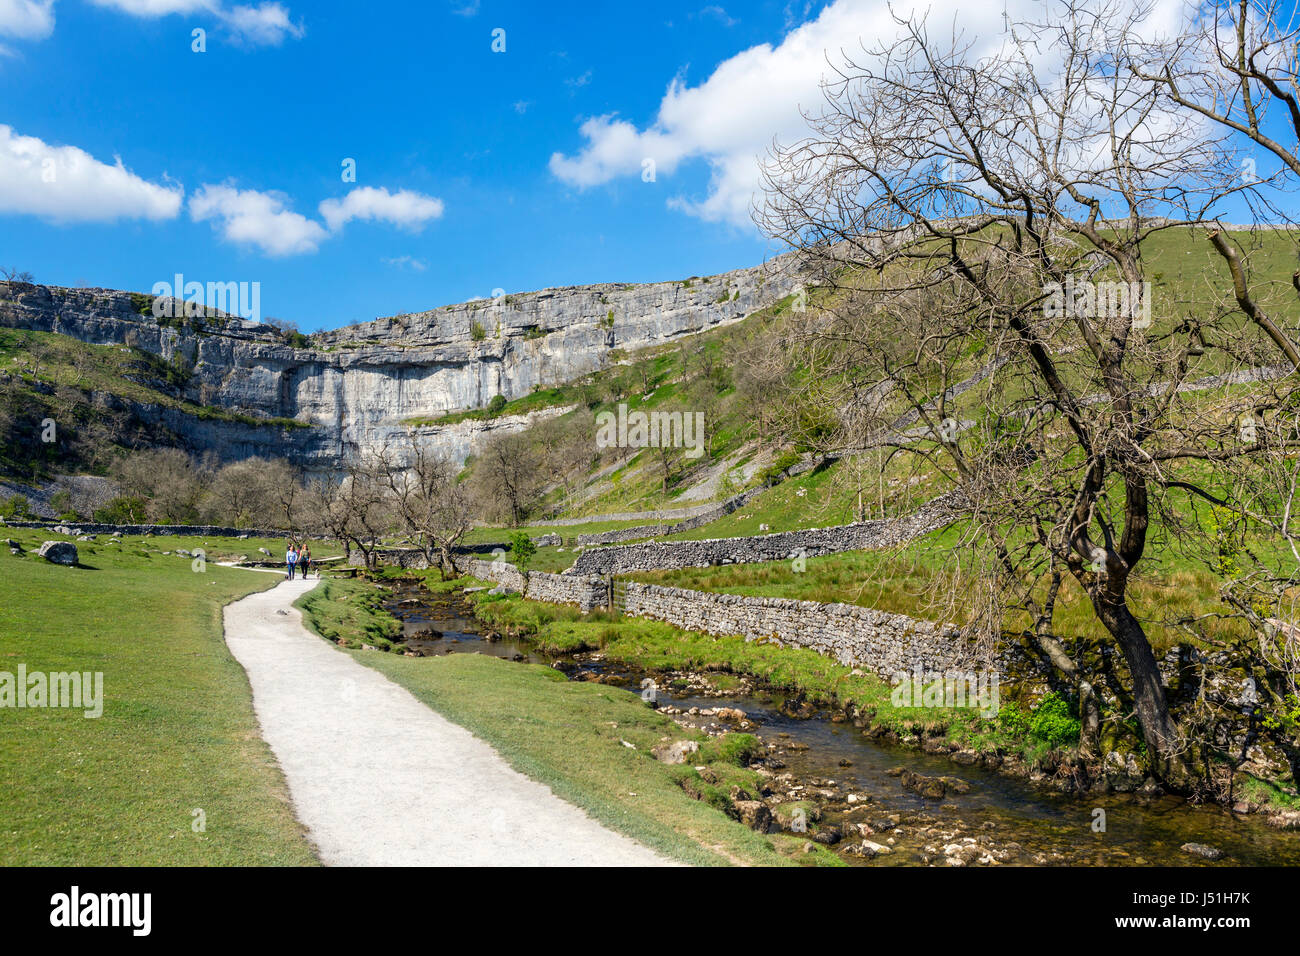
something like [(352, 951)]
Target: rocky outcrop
[(357, 386)]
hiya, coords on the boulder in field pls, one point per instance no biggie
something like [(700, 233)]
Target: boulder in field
[(59, 552)]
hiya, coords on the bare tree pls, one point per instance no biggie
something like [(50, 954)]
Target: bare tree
[(429, 503), (236, 493), (506, 479), (963, 214), (354, 508), (168, 479)]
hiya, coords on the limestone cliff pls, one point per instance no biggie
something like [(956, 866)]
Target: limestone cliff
[(357, 385)]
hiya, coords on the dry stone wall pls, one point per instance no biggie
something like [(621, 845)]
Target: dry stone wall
[(180, 530), (784, 545), (854, 636), (587, 593)]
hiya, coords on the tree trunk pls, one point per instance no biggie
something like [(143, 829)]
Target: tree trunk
[(1089, 720), (1149, 701)]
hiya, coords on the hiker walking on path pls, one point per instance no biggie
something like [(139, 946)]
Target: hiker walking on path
[(304, 562), (291, 559)]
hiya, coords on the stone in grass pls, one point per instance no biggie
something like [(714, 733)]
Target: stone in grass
[(675, 752), (59, 552), (754, 814), (1200, 849)]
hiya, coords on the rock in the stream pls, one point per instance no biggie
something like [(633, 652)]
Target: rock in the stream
[(828, 836), (932, 788), (867, 849), (59, 552), (1200, 849)]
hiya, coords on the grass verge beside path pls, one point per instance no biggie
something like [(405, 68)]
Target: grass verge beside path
[(177, 734), (574, 737)]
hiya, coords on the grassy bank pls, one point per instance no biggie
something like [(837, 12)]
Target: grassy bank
[(574, 737), (804, 674), (347, 611), (177, 734), (920, 578)]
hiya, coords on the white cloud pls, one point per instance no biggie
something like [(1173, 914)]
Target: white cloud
[(408, 262), (27, 19), (266, 24), (257, 218), (578, 82), (264, 219), (410, 210), (718, 13), (157, 8), (730, 119), (67, 184)]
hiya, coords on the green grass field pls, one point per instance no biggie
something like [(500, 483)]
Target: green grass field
[(177, 734)]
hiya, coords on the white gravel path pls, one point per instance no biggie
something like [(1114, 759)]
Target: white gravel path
[(379, 779)]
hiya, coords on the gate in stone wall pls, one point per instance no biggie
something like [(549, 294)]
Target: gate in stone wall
[(617, 594)]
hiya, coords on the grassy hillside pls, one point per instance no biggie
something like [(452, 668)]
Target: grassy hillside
[(708, 373), (85, 390)]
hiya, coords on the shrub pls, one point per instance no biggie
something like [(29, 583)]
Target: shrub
[(772, 472), (497, 405), (16, 507), (476, 331), (61, 501), (522, 549), (125, 509), (1052, 722)]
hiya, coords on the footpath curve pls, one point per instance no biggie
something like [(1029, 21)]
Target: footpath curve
[(379, 779)]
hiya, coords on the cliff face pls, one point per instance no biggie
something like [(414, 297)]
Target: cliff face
[(356, 385)]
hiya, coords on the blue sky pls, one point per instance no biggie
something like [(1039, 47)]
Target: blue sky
[(413, 93), (475, 170)]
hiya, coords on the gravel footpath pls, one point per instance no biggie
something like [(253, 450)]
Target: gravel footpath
[(379, 779)]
